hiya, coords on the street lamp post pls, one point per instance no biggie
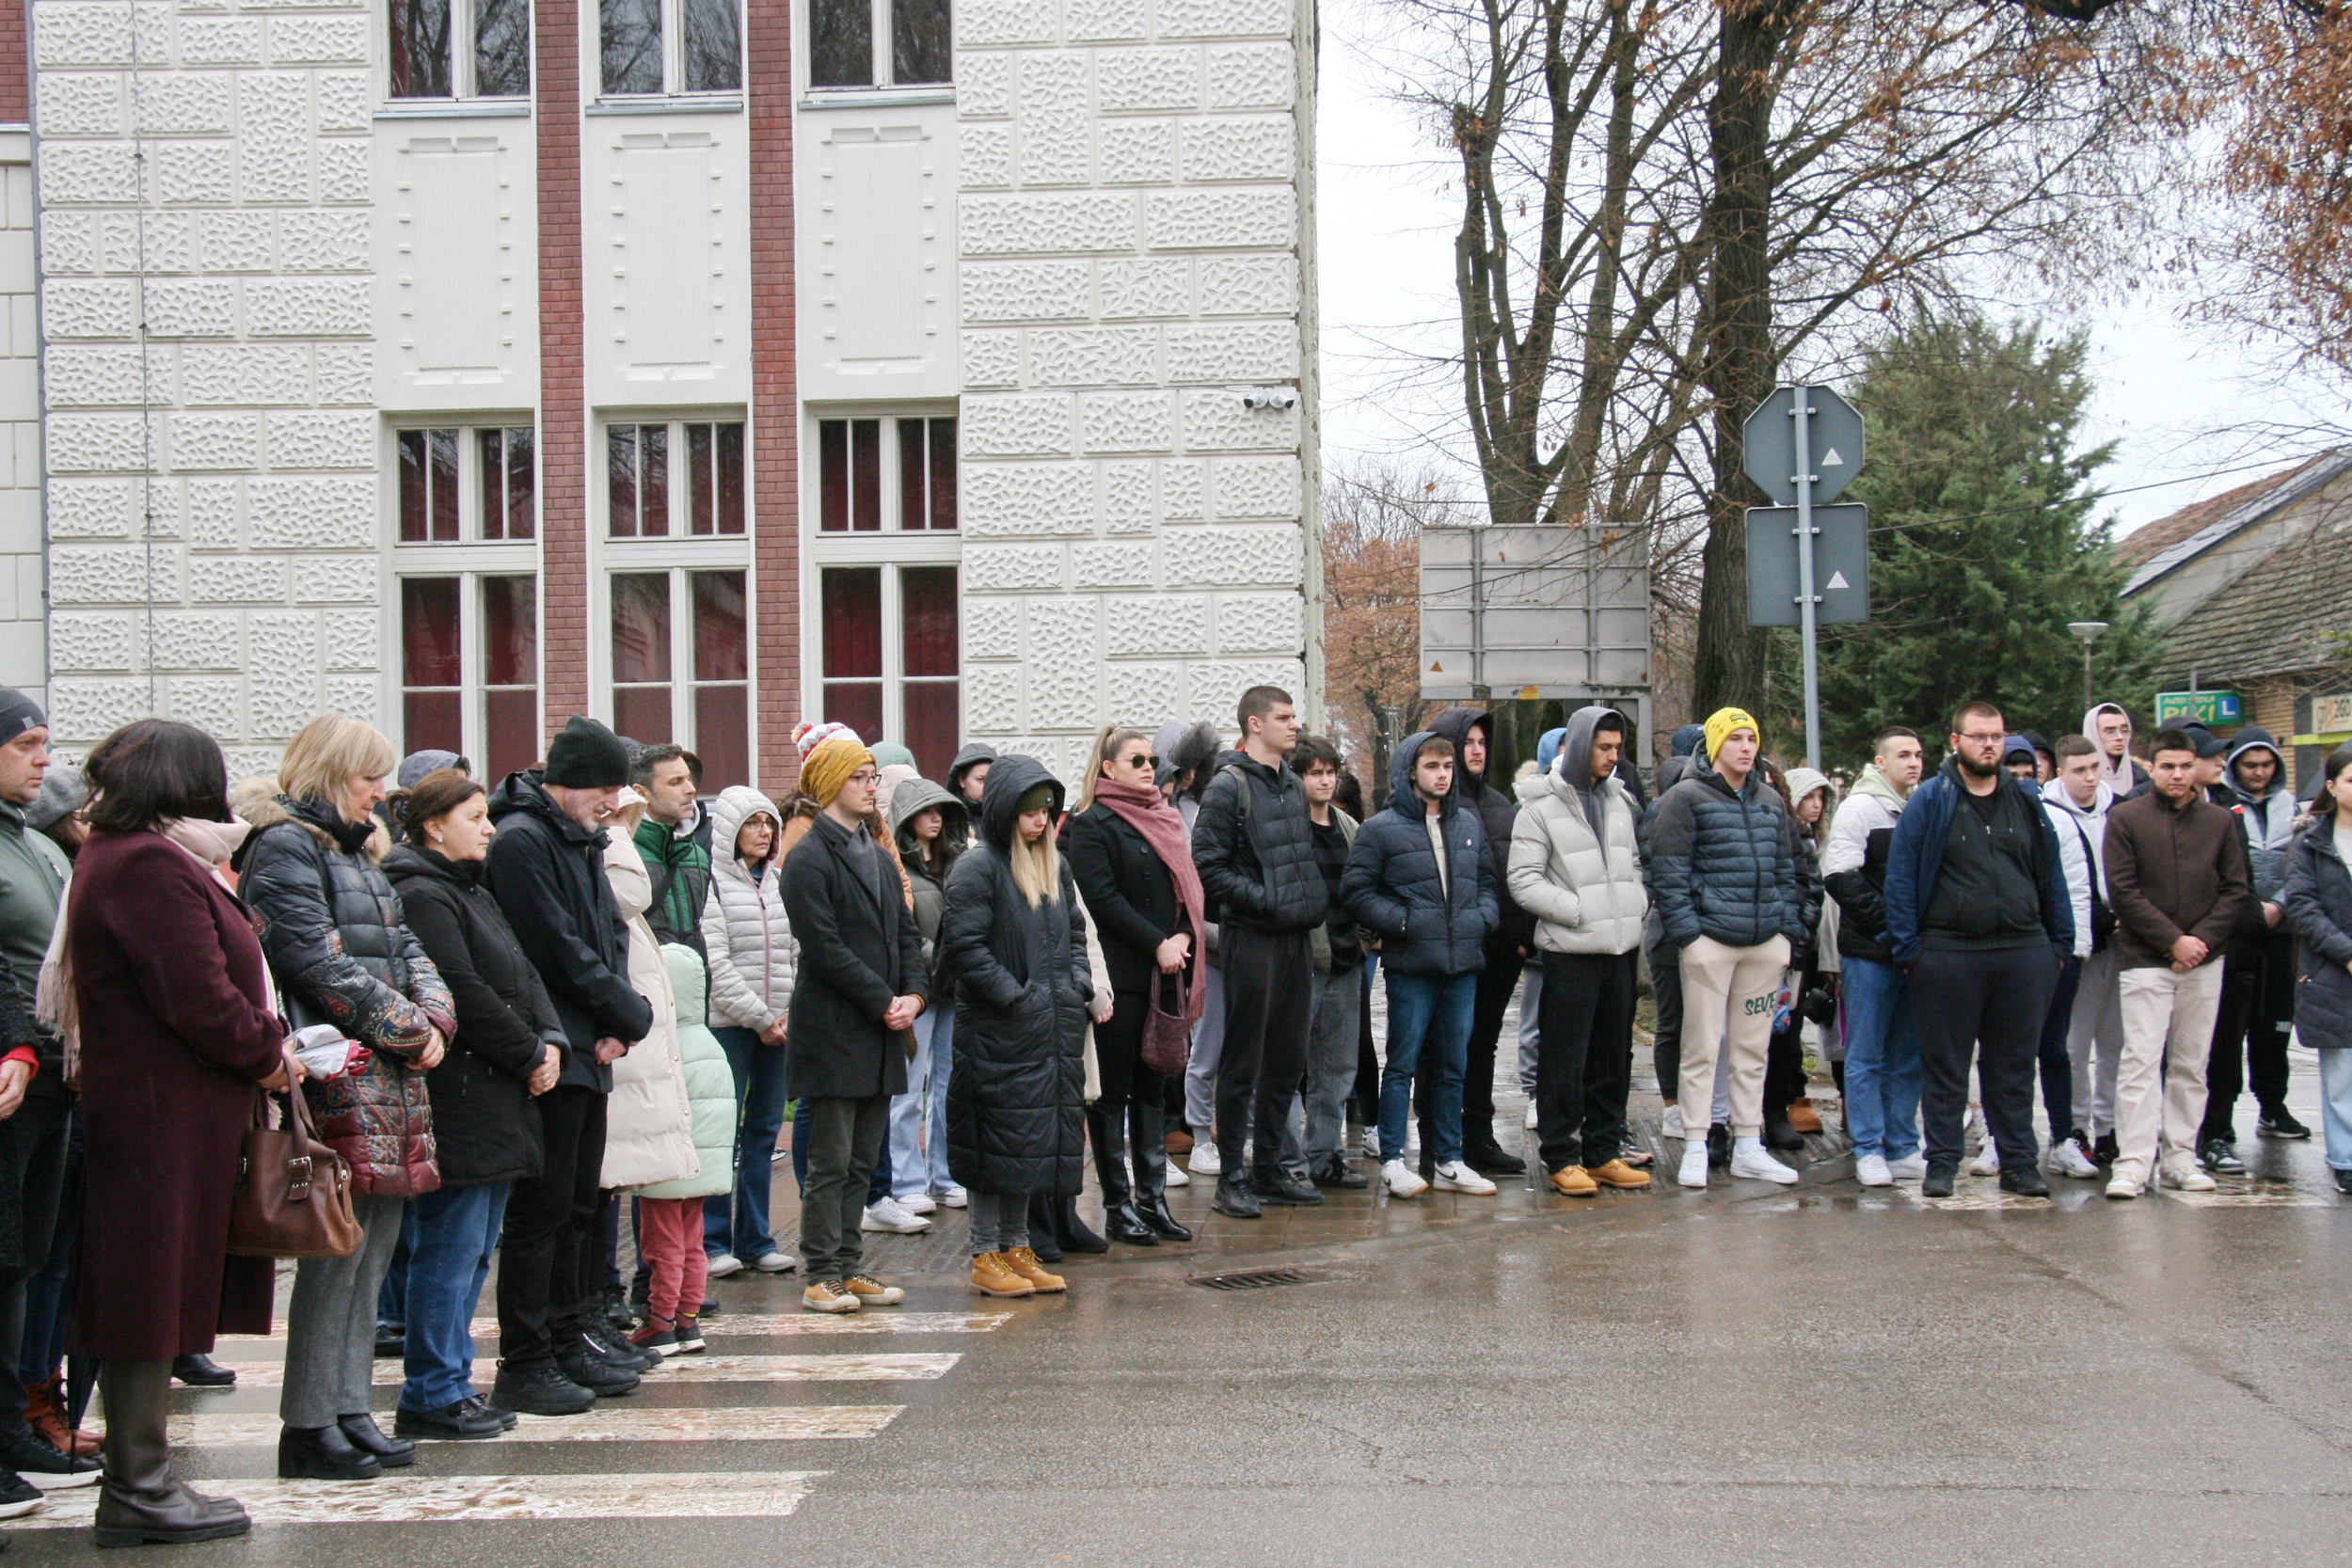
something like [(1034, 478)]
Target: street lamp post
[(2088, 631)]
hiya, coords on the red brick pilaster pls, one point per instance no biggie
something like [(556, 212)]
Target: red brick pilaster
[(563, 629), (16, 82), (776, 412)]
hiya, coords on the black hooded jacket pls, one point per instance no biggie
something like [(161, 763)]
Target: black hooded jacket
[(1497, 811), (1428, 923), (1254, 847), (1016, 1101)]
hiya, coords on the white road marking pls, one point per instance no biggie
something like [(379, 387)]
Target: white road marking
[(744, 1324), (698, 1369), (611, 1421), (455, 1499)]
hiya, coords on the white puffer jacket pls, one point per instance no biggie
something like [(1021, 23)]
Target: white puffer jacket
[(1585, 897), (649, 1120), (753, 956)]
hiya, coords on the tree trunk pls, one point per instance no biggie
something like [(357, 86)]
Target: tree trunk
[(1729, 669)]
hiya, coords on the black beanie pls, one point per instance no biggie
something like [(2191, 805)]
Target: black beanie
[(586, 755), (17, 713)]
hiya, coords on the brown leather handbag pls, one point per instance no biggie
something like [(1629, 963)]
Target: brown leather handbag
[(1168, 1035), (294, 1193)]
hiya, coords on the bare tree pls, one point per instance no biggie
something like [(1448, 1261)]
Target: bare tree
[(1373, 518)]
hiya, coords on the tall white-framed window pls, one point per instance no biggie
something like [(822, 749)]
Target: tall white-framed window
[(465, 564), (668, 48), (453, 49), (881, 44), (675, 576), (882, 553)]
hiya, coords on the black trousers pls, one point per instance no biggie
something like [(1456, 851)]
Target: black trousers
[(1665, 984), (551, 1256), (1583, 1057), (1497, 982), (1783, 1059), (33, 1141), (2249, 1032), (1269, 996), (1988, 1006)]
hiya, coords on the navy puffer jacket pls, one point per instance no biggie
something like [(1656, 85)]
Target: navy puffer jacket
[(1723, 864), (1426, 925), (1255, 849)]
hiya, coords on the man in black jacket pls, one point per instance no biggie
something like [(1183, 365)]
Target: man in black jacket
[(546, 872), (1254, 847)]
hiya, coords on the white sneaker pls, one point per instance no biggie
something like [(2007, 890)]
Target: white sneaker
[(1693, 1172), (1176, 1177), (1455, 1176), (1871, 1171), (726, 1264), (776, 1263), (2186, 1175), (1670, 1125), (918, 1203), (954, 1198), (2122, 1186), (1372, 1144), (1988, 1160), (1529, 1122), (1204, 1160), (1758, 1165), (887, 1215), (1911, 1167), (1403, 1179), (2067, 1159)]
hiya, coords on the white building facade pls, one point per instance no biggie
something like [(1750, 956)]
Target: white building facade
[(463, 364)]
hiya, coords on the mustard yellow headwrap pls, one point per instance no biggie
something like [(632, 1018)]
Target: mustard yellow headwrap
[(825, 770), (1720, 724)]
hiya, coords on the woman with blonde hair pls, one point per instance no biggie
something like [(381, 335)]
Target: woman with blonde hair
[(331, 926), (1013, 941)]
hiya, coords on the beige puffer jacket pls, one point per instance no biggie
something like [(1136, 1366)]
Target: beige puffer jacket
[(649, 1120), (1584, 900), (753, 956)]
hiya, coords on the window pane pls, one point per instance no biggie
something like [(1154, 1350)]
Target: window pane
[(722, 734), (501, 48), (731, 478), (491, 448), (510, 631), (920, 44), (933, 724), (510, 732), (832, 475), (700, 502), (914, 509), (442, 448), (720, 639), (856, 704), (714, 48), (640, 627), (415, 526), (522, 484), (620, 479), (629, 34), (942, 443), (866, 475), (432, 720), (927, 604), (642, 713), (428, 632), (420, 48), (853, 601), (840, 43), (653, 516)]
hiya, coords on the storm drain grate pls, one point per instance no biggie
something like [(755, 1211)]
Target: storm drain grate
[(1254, 1279)]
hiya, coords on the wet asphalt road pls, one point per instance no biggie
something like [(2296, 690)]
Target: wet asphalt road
[(1754, 1375)]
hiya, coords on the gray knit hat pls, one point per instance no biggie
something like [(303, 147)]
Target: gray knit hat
[(62, 793)]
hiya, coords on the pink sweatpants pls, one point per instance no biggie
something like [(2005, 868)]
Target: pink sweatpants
[(669, 1234)]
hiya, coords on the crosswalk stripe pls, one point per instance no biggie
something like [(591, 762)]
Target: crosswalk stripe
[(737, 1325), (698, 1369), (611, 1421), (461, 1500)]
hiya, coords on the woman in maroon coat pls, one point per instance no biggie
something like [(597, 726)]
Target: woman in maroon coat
[(176, 1028)]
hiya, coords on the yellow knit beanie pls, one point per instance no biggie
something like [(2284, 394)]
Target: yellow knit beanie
[(825, 770), (1720, 724)]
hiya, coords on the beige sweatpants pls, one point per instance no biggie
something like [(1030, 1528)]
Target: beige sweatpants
[(2167, 1032), (1727, 996)]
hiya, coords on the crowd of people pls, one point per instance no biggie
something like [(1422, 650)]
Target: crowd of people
[(527, 1017)]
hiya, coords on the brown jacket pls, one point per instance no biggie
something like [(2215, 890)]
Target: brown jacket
[(2173, 872)]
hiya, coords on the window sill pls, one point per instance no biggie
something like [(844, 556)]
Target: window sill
[(454, 108), (866, 98), (723, 103)]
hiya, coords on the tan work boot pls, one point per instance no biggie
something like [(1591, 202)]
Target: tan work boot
[(1802, 1116), (992, 1276), (873, 1293), (1023, 1262), (829, 1295), (1616, 1173), (1571, 1182)]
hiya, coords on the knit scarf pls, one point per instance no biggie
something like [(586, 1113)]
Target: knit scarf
[(1140, 807)]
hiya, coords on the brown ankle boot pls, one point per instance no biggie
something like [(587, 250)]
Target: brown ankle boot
[(1023, 1262), (1802, 1116), (44, 1412), (992, 1276)]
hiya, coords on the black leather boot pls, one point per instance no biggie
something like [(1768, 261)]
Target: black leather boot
[(202, 1372), (1107, 1129), (1045, 1229), (140, 1499), (1148, 1125), (1076, 1235), (322, 1453), (390, 1452)]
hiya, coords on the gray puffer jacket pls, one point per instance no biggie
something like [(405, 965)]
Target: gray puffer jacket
[(1723, 863), (753, 956), (1584, 890), (2318, 902)]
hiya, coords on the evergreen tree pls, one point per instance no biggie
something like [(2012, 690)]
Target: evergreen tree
[(1982, 547)]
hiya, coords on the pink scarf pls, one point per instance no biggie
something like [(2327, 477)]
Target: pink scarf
[(1140, 807)]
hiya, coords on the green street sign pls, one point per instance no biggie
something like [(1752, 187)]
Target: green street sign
[(2206, 707)]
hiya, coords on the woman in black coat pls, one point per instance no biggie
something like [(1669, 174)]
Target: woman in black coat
[(2318, 903), (508, 1048), (1132, 891), (1014, 943)]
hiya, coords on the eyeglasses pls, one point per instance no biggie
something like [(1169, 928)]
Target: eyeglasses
[(865, 776), (1984, 740)]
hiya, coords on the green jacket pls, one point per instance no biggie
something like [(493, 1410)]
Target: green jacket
[(680, 865), (32, 881)]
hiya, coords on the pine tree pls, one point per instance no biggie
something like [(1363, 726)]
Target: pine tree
[(1982, 547)]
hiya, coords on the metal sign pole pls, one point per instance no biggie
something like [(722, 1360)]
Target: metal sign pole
[(1808, 603)]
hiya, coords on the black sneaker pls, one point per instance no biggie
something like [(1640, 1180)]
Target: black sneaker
[(1780, 1134), (612, 1351), (598, 1377), (460, 1421), (506, 1420), (44, 1467), (539, 1391), (1234, 1197), (690, 1336), (2026, 1182), (391, 1340), (18, 1497), (2103, 1150), (1336, 1172), (2278, 1122), (2344, 1182), (2221, 1154), (1491, 1161), (1275, 1185), (1718, 1146), (1941, 1175), (616, 1313)]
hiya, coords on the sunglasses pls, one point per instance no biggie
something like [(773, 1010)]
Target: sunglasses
[(1139, 762)]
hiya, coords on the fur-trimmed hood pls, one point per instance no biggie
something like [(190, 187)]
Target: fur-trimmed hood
[(320, 819)]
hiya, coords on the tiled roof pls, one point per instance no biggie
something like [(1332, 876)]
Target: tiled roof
[(2146, 539), (2274, 619)]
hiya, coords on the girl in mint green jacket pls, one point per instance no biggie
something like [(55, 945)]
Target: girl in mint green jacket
[(670, 1213)]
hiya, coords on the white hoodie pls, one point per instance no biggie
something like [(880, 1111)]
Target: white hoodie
[(2082, 836)]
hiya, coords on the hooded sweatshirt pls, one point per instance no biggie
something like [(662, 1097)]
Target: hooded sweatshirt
[(2268, 814), (1854, 863), (2122, 775), (2082, 836), (1495, 809), (1574, 863)]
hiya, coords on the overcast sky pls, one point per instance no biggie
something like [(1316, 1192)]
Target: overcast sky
[(2175, 395)]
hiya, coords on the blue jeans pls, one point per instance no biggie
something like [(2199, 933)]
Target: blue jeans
[(2335, 1105), (1433, 1010), (456, 1232), (1883, 1071), (391, 1297), (919, 1165), (737, 1223)]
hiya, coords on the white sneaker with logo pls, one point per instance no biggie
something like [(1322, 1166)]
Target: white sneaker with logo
[(2066, 1158), (1455, 1176), (1757, 1165), (1403, 1179), (1203, 1160), (889, 1217)]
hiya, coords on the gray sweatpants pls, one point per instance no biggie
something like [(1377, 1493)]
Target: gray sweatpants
[(330, 1320), (1319, 1116), (1208, 1039)]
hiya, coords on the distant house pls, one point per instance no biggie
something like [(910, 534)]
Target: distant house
[(2252, 590)]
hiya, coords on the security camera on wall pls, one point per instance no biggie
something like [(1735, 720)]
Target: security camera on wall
[(1269, 397)]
